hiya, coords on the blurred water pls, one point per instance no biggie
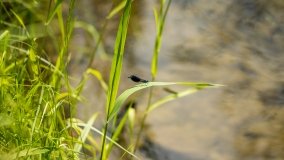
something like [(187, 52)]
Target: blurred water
[(238, 43)]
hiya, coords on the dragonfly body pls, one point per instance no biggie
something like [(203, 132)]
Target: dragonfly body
[(137, 79)]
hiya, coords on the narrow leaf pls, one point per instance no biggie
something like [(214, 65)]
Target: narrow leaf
[(98, 75), (116, 9), (121, 99), (85, 133), (19, 19)]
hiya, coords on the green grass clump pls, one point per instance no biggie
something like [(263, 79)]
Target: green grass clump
[(37, 102), (32, 101)]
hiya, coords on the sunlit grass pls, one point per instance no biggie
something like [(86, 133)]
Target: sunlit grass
[(35, 126)]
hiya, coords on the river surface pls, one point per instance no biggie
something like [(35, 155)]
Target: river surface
[(238, 43)]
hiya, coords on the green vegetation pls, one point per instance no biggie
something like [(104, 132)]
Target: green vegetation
[(37, 102)]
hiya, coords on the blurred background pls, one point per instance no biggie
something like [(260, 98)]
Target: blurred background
[(238, 43)]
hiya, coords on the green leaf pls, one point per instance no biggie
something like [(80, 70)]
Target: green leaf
[(121, 99), (118, 56), (116, 67)]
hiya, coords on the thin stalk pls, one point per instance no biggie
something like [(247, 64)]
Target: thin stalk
[(104, 140)]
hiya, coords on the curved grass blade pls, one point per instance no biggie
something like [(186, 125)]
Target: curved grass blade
[(98, 75), (121, 99), (116, 9)]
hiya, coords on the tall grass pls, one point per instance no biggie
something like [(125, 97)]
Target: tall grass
[(116, 68), (37, 102), (32, 99)]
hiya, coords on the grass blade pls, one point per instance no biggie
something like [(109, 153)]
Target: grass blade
[(116, 9), (19, 19), (116, 68), (160, 21), (98, 75), (84, 134), (122, 98)]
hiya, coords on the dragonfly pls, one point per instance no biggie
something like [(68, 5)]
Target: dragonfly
[(137, 79)]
